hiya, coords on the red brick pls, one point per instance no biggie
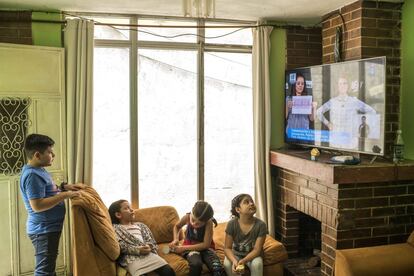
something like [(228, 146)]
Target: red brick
[(398, 200), (349, 234), (9, 32), (370, 222), (346, 203), (356, 14), (377, 13), (351, 7), (371, 202), (371, 241), (384, 191), (354, 193), (388, 230), (344, 244)]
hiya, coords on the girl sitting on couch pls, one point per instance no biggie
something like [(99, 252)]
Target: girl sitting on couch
[(138, 247), (245, 237), (198, 246)]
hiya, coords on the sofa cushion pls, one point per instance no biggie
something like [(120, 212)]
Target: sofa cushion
[(384, 260), (99, 221), (411, 239), (160, 221), (178, 263), (218, 237), (274, 251)]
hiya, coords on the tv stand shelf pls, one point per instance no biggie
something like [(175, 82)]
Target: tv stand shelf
[(379, 171)]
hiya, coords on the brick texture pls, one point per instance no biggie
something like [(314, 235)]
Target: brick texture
[(351, 215), (16, 27), (370, 29), (304, 46)]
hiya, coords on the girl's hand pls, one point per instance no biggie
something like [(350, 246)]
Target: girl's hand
[(234, 266), (240, 267), (178, 249), (174, 243), (144, 250)]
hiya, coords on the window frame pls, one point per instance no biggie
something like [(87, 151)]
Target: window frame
[(201, 48)]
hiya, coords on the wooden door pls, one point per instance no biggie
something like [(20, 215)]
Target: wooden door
[(32, 100)]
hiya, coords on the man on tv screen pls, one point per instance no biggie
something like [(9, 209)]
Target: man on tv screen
[(342, 110)]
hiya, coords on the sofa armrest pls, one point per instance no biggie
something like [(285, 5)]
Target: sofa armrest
[(82, 245), (273, 251), (384, 260), (411, 239)]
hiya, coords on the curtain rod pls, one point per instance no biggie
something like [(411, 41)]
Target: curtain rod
[(157, 26)]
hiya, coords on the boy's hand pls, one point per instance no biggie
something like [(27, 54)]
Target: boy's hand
[(72, 187), (144, 250), (71, 194)]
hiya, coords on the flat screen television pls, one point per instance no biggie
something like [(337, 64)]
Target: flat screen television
[(339, 106)]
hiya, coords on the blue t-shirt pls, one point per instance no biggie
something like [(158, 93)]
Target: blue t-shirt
[(37, 183)]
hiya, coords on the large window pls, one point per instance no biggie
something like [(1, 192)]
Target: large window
[(173, 114), (167, 128), (228, 129), (111, 142)]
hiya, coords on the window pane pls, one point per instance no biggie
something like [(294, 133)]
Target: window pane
[(108, 32), (166, 34), (167, 133), (236, 36), (111, 124), (228, 130)]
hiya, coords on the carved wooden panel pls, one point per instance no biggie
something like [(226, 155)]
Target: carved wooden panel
[(13, 129)]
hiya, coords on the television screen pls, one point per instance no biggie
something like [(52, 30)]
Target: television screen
[(339, 106)]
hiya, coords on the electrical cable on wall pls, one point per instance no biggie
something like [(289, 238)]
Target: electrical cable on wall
[(337, 44)]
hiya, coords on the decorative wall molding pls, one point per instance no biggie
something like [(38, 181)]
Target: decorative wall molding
[(14, 122)]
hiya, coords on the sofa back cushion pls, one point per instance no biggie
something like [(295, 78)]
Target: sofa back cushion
[(160, 221), (411, 239), (219, 236)]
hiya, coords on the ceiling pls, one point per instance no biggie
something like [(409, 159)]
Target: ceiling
[(303, 11)]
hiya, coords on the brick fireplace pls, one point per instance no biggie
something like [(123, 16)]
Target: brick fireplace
[(362, 205)]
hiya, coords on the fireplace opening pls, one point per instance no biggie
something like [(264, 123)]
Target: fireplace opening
[(307, 258), (309, 236)]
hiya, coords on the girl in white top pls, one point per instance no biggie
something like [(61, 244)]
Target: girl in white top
[(138, 247)]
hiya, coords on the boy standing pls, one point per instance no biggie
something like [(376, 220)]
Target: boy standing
[(44, 202)]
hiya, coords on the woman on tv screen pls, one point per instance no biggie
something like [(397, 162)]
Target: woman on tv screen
[(298, 120)]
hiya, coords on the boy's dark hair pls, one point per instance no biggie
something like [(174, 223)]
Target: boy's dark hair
[(115, 208), (37, 142), (293, 87), (235, 202), (203, 211)]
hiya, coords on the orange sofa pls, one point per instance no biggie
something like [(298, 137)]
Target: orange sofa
[(95, 248), (384, 260)]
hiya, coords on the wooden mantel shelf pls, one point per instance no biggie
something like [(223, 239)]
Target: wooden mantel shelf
[(378, 171)]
